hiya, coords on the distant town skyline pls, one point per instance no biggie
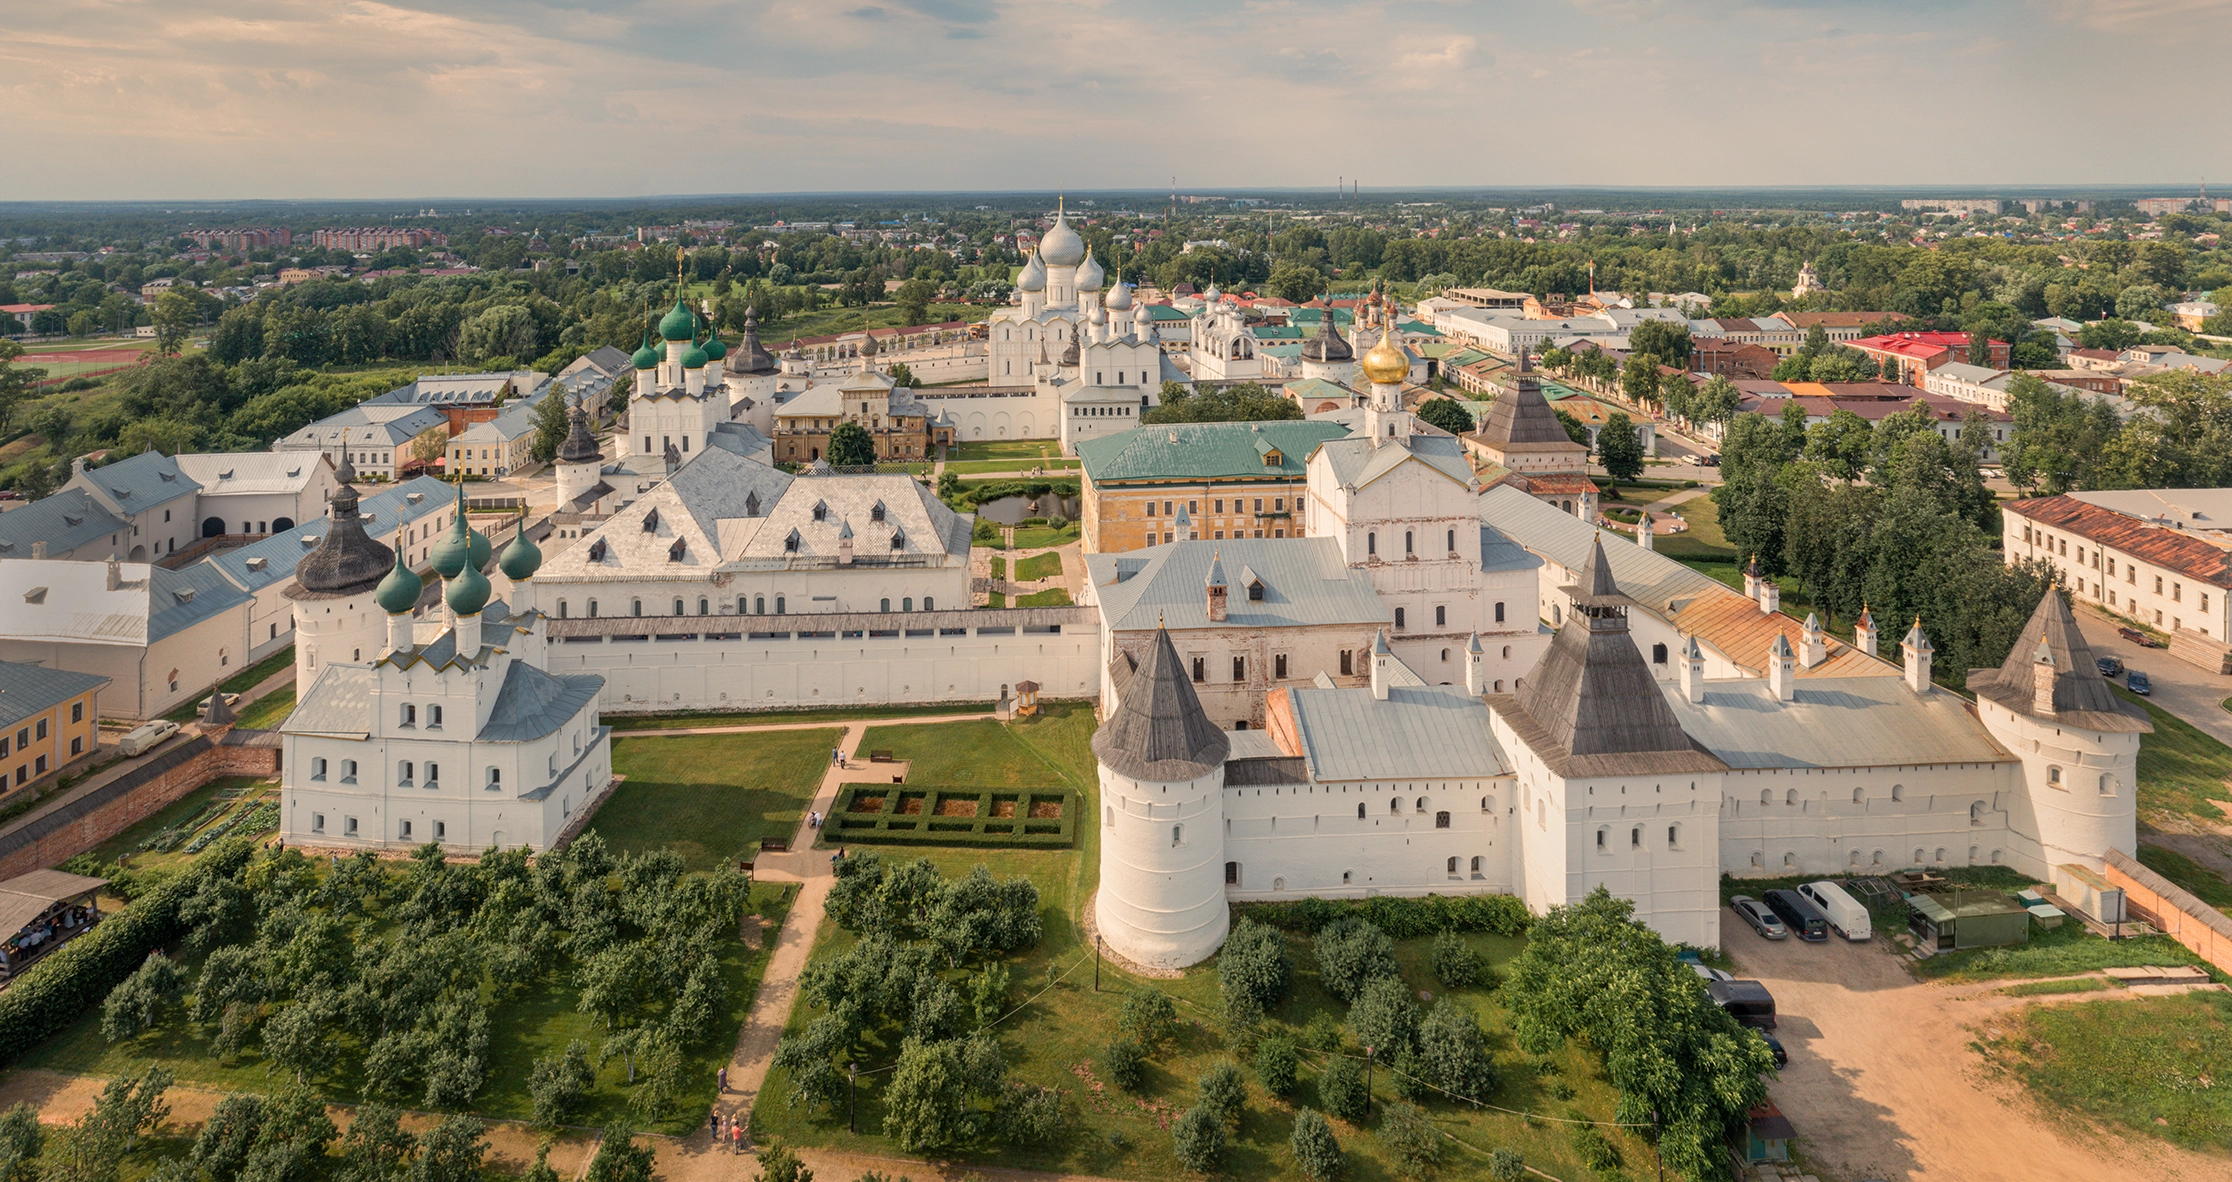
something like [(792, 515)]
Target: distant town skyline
[(533, 99)]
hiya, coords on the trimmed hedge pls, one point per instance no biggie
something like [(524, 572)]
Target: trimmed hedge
[(887, 825), (67, 984), (1402, 918)]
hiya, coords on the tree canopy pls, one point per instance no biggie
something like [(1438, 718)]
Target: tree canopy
[(1246, 402)]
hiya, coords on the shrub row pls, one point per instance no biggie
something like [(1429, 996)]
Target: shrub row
[(54, 992), (1401, 918), (888, 826)]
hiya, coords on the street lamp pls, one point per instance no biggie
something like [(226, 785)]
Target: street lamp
[(1368, 1056), (852, 1097)]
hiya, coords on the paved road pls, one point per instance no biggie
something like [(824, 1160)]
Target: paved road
[(2185, 690)]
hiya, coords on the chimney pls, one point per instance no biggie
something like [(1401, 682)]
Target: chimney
[(38, 549), (77, 467), (1782, 668), (1812, 649), (2043, 673), (1770, 596), (1218, 590), (115, 573), (1643, 533), (1751, 578), (1917, 649), (1693, 671), (1380, 659), (844, 544), (1476, 673), (1864, 635)]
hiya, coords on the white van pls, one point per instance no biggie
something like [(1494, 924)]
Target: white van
[(1845, 913), (146, 738)]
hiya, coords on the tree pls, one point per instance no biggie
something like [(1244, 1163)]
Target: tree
[(913, 298), (427, 446), (2058, 436), (1350, 953), (1296, 284), (1715, 401), (1277, 1064), (553, 422), (175, 315), (1412, 1140), (1315, 1151), (21, 1139), (1507, 1165), (900, 375), (1125, 1062), (451, 1151), (779, 1163), (377, 1148), (926, 1103), (1197, 1139), (2112, 334), (850, 446), (1246, 402), (619, 1158), (1639, 378), (139, 1001), (504, 330), (1148, 1016), (1456, 965), (559, 1083), (1575, 429), (1224, 1093), (1253, 969), (1449, 414), (1383, 1016), (127, 1110), (1453, 1052), (1340, 1088), (1618, 448)]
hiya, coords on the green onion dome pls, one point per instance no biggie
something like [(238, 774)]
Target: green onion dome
[(479, 547), (694, 357), (399, 592), (521, 559), (646, 357), (714, 349), (468, 592), (455, 546), (678, 324)]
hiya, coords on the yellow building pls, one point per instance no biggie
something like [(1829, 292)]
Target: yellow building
[(1197, 481), (902, 428), (47, 719)]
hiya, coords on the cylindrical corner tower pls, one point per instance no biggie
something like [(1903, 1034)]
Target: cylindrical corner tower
[(336, 617), (1161, 901)]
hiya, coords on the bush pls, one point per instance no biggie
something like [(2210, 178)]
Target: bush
[(1277, 1063), (1315, 1151), (1126, 1063), (1456, 965), (1340, 1088), (139, 1001), (558, 1084), (1198, 1140), (1254, 966), (1595, 1150), (1224, 1093), (1149, 1016), (1402, 918), (1411, 1139), (1032, 1115), (1322, 1034), (1350, 952), (1383, 1017), (1453, 1051), (1507, 1165)]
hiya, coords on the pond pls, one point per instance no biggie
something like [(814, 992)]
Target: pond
[(1010, 510)]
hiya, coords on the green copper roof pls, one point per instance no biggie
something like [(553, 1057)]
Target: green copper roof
[(1206, 451), (694, 357), (450, 552), (678, 324), (399, 591), (646, 357), (713, 347), (468, 592), (521, 559)]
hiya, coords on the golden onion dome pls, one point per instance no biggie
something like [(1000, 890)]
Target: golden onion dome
[(1384, 364)]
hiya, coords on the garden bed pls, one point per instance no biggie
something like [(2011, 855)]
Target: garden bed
[(871, 815)]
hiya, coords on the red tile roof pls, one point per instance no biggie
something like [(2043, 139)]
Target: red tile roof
[(1839, 319), (2172, 549)]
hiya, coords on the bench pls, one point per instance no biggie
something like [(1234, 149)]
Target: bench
[(774, 845), (879, 756)]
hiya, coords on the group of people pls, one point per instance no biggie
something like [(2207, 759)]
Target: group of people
[(61, 924), (727, 1130)]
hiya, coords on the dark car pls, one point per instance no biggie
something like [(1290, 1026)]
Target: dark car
[(1761, 917), (1708, 461), (2109, 666), (1806, 920), (2135, 636), (1746, 1001), (2137, 683), (1775, 1048)]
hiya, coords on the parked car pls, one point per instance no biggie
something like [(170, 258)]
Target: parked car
[(1709, 973), (1746, 1001), (1846, 915), (146, 738), (2137, 637), (1760, 916), (2109, 666), (2137, 683), (1712, 461), (1805, 919), (1775, 1048)]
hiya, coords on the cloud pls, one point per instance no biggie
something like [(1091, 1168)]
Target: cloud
[(869, 13)]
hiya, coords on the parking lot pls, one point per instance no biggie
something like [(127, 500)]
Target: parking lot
[(1882, 1083)]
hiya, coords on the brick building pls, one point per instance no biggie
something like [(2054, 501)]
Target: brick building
[(1189, 481)]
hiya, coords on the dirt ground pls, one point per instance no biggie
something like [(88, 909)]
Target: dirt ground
[(1882, 1083)]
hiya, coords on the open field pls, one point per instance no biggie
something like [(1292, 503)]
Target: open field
[(980, 753), (2151, 1065), (2182, 769), (1037, 566), (623, 723), (270, 710), (1703, 539), (1006, 449), (711, 798)]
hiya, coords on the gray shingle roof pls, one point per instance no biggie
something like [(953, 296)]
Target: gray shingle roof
[(26, 690), (364, 425), (65, 521), (532, 703), (1304, 583), (2081, 697), (1522, 418), (1418, 731), (339, 702), (1158, 732), (142, 482)]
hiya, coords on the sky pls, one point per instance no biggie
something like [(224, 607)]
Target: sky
[(292, 99)]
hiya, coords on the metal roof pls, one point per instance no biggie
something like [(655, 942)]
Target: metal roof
[(139, 483), (27, 690), (2126, 524), (1833, 722), (26, 898), (228, 473), (532, 703), (1305, 583), (1205, 451), (1356, 462), (1416, 732), (65, 521), (338, 703)]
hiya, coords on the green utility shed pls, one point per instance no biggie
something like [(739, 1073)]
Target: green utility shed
[(1953, 920)]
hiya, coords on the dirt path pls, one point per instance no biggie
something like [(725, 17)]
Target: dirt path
[(1882, 1082)]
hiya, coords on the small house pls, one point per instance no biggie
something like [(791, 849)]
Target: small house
[(1767, 1134), (1956, 919)]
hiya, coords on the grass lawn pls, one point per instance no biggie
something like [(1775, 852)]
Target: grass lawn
[(1006, 449), (1058, 1036), (1037, 566), (2206, 884), (1029, 537), (1051, 597), (980, 752), (2065, 951), (2149, 1064), (653, 722), (2181, 768), (1017, 467), (999, 567), (268, 711), (711, 798), (238, 683), (1703, 539)]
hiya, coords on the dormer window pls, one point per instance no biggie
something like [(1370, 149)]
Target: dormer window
[(751, 504), (35, 595), (898, 540), (651, 521), (597, 550), (790, 543), (675, 552), (876, 512), (821, 511), (1255, 589)]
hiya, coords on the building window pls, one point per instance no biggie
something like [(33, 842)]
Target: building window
[(1371, 543), (317, 822), (433, 774), (1177, 835), (440, 830), (496, 777), (318, 768), (1398, 619), (1604, 838), (635, 607), (1499, 613), (1635, 838), (77, 745), (1348, 663), (1108, 816), (1232, 874), (1673, 837), (348, 771), (1279, 666), (780, 609), (77, 709), (907, 604), (1200, 669), (929, 604), (1898, 792), (1452, 871), (1239, 668), (883, 605), (2054, 776), (1658, 654), (403, 774), (1407, 548), (404, 831), (561, 609), (1441, 820), (410, 714), (349, 826), (433, 718), (1359, 813), (1441, 617), (592, 609), (2107, 786)]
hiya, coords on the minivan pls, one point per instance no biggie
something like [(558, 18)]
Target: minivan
[(1746, 1001), (147, 737), (1845, 914), (1806, 920)]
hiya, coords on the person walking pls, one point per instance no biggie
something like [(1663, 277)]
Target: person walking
[(721, 1078)]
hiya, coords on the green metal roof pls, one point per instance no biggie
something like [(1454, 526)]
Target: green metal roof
[(1311, 316), (1205, 451), (1307, 390), (1165, 312), (1273, 332)]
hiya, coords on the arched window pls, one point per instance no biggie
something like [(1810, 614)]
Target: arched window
[(1407, 549), (1918, 856), (1452, 541), (1453, 867), (703, 606), (1346, 876), (1791, 797), (678, 607), (907, 604), (1790, 861), (2107, 785), (1485, 806), (779, 605), (2053, 776), (1976, 813), (1604, 838), (561, 609), (1395, 804), (403, 772), (1476, 864), (592, 609), (1499, 618), (1359, 810), (759, 605), (1766, 796), (410, 714), (1898, 792), (495, 778), (928, 604), (883, 605), (1177, 835), (1859, 796), (1635, 838), (635, 607), (1371, 543), (1232, 874)]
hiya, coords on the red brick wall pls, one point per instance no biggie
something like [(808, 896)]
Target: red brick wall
[(133, 802), (2168, 906)]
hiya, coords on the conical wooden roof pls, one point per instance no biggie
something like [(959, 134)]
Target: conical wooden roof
[(1158, 732)]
